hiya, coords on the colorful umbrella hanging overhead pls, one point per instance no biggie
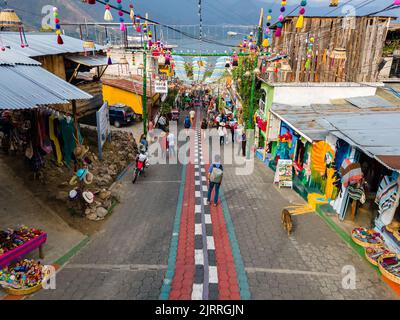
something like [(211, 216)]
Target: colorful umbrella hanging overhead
[(58, 26)]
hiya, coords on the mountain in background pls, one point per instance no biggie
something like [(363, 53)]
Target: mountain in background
[(172, 12)]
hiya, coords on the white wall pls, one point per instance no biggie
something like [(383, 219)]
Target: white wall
[(306, 95)]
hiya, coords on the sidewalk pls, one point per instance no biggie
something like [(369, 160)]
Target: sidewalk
[(306, 265), (20, 206)]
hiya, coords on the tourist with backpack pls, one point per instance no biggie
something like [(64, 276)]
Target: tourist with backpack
[(215, 175), (187, 125)]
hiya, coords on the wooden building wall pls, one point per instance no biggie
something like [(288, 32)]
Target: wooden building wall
[(54, 64), (362, 37)]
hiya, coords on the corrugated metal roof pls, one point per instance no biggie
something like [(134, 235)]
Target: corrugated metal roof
[(372, 131), (11, 57), (128, 85), (43, 44), (24, 86), (370, 102), (91, 61)]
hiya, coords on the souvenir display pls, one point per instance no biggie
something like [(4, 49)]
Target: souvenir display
[(367, 238), (25, 277), (373, 254), (389, 266), (11, 239)]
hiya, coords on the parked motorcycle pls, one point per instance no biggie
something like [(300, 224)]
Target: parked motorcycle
[(142, 162)]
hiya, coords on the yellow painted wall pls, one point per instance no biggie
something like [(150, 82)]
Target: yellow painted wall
[(115, 95)]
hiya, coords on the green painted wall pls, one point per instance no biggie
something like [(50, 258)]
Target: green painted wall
[(269, 90)]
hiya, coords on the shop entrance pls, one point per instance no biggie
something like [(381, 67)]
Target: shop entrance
[(365, 214)]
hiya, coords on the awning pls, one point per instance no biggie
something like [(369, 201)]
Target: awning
[(90, 61), (24, 87)]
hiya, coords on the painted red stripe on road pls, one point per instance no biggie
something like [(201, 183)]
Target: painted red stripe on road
[(228, 285)]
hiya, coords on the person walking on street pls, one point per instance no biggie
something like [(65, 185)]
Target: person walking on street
[(163, 141), (192, 114), (215, 175), (187, 125), (204, 127), (171, 143), (221, 133), (244, 142)]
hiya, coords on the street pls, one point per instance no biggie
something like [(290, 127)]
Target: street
[(162, 243)]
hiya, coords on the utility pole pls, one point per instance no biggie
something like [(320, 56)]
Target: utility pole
[(144, 96), (250, 124)]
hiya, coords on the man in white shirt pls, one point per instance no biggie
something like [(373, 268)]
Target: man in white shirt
[(171, 143)]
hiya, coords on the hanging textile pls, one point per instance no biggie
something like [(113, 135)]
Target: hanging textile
[(54, 140), (67, 131), (357, 194), (388, 198), (351, 173), (386, 195)]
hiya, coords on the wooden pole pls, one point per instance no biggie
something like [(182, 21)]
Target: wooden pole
[(74, 113)]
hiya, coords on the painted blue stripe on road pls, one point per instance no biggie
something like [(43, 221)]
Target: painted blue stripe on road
[(166, 287), (241, 273)]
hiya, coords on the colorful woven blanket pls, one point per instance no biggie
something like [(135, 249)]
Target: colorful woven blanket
[(386, 195), (350, 172)]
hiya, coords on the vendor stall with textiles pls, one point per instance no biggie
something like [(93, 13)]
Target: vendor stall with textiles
[(38, 133)]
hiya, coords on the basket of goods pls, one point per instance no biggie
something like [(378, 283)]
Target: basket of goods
[(389, 266), (373, 254), (11, 239), (367, 238), (25, 277)]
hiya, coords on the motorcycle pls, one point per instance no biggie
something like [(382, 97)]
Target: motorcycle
[(142, 162)]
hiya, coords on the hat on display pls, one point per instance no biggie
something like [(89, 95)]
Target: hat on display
[(88, 196), (74, 194), (88, 179), (81, 173), (73, 181)]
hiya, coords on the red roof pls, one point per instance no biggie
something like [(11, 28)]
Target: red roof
[(134, 86)]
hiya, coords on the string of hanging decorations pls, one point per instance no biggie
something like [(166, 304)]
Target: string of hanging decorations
[(58, 26), (279, 24), (265, 42), (300, 19), (201, 22)]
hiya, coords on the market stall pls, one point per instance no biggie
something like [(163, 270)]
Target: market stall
[(16, 244)]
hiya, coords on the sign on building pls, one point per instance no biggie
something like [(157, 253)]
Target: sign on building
[(103, 127), (284, 173), (161, 86)]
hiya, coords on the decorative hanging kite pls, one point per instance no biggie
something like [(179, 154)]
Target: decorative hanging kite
[(300, 20), (279, 24), (107, 14), (58, 26), (122, 26)]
